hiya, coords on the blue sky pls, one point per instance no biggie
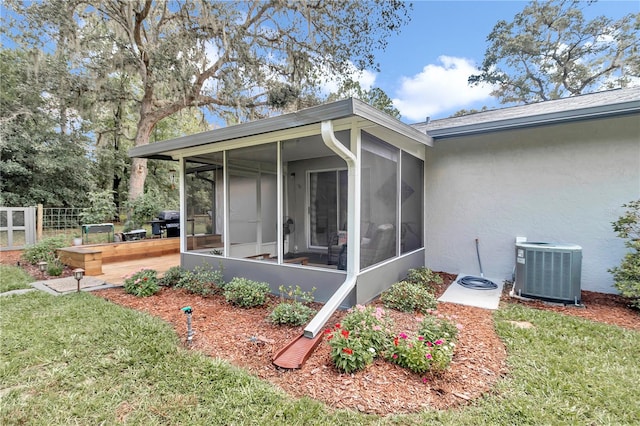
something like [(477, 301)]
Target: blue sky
[(425, 68)]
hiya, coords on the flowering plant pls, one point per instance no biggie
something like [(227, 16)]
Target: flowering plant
[(431, 349), (142, 283), (347, 350), (362, 336), (436, 325), (370, 324), (412, 353)]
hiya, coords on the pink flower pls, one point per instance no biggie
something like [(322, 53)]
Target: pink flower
[(402, 336), (429, 344), (395, 356), (438, 342), (428, 356), (424, 380), (420, 338)]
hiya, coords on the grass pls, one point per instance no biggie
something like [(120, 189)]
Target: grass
[(13, 278), (78, 359)]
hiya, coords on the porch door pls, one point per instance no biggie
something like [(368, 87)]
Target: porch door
[(327, 206)]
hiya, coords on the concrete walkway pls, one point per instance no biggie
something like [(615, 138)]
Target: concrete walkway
[(112, 276)]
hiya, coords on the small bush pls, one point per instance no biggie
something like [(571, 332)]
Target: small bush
[(414, 354), (424, 277), (172, 276), (408, 297), (291, 313), (348, 351), (55, 268), (626, 277), (362, 336), (370, 324), (439, 326), (45, 250), (421, 355), (246, 293), (203, 280), (142, 283)]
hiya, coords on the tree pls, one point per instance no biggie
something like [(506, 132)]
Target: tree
[(626, 277), (375, 97), (44, 156), (223, 55), (549, 51)]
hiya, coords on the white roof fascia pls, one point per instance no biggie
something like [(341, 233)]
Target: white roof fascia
[(589, 106), (537, 120), (281, 127)]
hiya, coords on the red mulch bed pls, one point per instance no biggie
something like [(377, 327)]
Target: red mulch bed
[(245, 338)]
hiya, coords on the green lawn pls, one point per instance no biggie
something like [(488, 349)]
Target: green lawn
[(13, 278), (78, 359)]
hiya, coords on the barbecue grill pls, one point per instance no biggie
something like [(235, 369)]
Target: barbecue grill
[(168, 221)]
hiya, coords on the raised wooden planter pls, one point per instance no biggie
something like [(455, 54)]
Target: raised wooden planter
[(80, 257), (91, 257)]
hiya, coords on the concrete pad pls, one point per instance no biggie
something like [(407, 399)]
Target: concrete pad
[(69, 284), (487, 299)]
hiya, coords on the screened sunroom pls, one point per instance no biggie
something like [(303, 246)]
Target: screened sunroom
[(329, 197)]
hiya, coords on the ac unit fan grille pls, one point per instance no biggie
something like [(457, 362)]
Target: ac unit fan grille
[(548, 274)]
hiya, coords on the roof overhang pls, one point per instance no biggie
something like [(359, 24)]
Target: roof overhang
[(607, 104), (345, 114), (537, 120)]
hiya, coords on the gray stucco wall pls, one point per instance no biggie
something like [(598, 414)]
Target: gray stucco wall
[(562, 183)]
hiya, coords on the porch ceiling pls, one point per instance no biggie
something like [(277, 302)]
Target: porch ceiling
[(344, 114)]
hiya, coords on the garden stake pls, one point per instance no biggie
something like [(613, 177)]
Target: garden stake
[(187, 310)]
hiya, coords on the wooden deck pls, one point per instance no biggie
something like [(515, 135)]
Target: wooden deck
[(113, 273)]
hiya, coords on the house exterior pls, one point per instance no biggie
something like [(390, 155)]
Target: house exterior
[(345, 199), (556, 171)]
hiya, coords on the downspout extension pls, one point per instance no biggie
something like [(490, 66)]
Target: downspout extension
[(318, 321)]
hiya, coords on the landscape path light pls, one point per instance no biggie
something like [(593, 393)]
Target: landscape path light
[(78, 273), (43, 267)]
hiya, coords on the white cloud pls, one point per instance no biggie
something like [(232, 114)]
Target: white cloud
[(329, 84), (438, 89)]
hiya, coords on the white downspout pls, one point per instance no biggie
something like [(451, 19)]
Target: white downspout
[(353, 231)]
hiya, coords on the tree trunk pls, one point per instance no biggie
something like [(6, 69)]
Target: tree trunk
[(139, 165)]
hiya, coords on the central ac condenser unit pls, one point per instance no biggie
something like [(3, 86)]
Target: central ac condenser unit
[(548, 271)]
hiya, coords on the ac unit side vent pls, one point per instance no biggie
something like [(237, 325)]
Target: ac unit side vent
[(548, 271)]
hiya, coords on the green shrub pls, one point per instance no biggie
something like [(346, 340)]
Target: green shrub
[(408, 297), (626, 277), (370, 324), (172, 276), (348, 351), (436, 326), (203, 280), (362, 336), (44, 250), (424, 277), (141, 210), (412, 353), (291, 313), (142, 283), (55, 268), (246, 293), (102, 207)]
